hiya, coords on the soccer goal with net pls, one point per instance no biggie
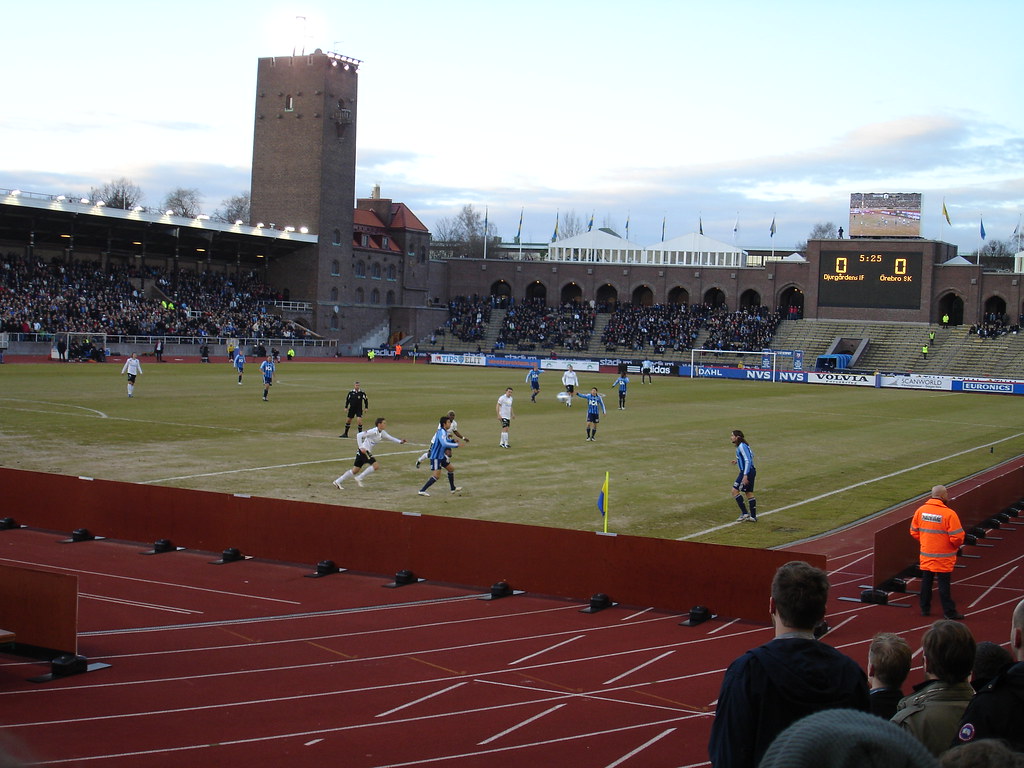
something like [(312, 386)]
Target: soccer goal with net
[(81, 346), (707, 360)]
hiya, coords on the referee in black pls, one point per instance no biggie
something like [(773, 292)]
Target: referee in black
[(355, 402)]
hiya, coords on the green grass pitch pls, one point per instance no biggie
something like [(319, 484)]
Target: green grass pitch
[(826, 455)]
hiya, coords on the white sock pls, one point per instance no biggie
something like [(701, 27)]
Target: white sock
[(130, 388), (422, 458), (365, 472), (344, 477)]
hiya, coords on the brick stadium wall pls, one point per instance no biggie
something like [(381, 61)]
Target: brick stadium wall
[(664, 574)]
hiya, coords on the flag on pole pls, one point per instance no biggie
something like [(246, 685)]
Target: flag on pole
[(602, 500), (982, 227), (771, 230), (627, 225), (519, 233), (554, 235), (945, 213), (700, 224), (590, 224), (1016, 230), (736, 226), (663, 218)]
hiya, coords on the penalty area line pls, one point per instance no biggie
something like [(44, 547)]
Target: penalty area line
[(851, 487), (262, 469)]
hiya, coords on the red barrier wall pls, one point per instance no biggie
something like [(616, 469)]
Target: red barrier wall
[(974, 499), (664, 574), (40, 607)]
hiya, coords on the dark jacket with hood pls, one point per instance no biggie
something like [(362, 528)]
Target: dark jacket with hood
[(997, 710), (768, 688)]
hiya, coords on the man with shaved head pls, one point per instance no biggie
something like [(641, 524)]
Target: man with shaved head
[(938, 530), (997, 710)]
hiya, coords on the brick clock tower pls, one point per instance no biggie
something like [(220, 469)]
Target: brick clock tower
[(303, 172)]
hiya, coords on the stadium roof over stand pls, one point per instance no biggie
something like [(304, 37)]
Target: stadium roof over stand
[(50, 222)]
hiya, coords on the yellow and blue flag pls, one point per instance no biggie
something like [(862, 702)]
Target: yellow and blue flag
[(982, 227), (771, 229), (602, 497), (945, 213), (554, 235)]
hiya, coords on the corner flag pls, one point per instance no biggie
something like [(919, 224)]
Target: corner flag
[(602, 501)]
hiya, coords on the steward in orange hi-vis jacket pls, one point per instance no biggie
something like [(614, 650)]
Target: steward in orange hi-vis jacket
[(940, 534)]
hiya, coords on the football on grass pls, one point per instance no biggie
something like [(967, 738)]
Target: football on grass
[(565, 397)]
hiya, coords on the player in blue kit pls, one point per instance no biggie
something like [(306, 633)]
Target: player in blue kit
[(623, 384), (439, 445), (239, 362), (743, 488), (533, 379), (268, 367), (595, 406)]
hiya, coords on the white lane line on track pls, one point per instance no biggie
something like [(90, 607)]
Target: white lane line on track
[(151, 581), (519, 725), (819, 497), (637, 668), (137, 604), (633, 753), (421, 699), (546, 650)]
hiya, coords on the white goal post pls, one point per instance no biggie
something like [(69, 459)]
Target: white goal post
[(723, 358)]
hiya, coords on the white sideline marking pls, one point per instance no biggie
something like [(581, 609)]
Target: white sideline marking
[(101, 414), (851, 487), (262, 469)]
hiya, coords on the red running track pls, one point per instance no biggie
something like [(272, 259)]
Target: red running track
[(251, 662)]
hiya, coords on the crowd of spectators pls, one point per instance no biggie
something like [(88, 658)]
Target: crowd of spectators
[(678, 326), (995, 325), (468, 317), (532, 322), (658, 327), (84, 297), (750, 329)]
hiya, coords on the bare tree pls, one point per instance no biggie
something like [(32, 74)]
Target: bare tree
[(823, 230), (997, 254), (570, 226), (184, 202), (464, 231), (119, 193), (234, 209)]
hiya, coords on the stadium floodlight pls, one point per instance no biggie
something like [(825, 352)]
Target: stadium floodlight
[(289, 229), (169, 212), (304, 230), (238, 221), (138, 209), (15, 192)]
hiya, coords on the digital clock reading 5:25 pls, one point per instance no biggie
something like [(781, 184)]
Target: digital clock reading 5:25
[(871, 280)]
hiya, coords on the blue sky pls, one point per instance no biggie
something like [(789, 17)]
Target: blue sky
[(679, 110)]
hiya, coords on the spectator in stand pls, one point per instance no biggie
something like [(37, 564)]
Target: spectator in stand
[(932, 712), (889, 659), (990, 659), (792, 676), (998, 709)]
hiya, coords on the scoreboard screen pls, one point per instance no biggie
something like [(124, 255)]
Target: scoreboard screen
[(870, 279)]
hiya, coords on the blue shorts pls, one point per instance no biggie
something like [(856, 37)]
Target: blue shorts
[(436, 464), (268, 380), (749, 487)]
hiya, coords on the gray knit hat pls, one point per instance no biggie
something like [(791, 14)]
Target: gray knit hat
[(846, 738)]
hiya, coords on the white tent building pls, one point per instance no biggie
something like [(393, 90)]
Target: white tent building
[(696, 250), (602, 246), (599, 246)]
